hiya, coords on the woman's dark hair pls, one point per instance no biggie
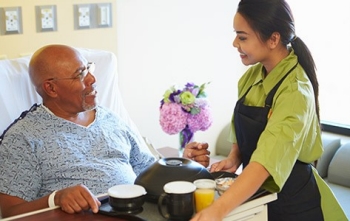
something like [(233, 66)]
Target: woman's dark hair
[(268, 16)]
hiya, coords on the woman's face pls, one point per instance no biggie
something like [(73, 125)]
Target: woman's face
[(248, 43)]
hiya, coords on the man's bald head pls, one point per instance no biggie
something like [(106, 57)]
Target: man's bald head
[(47, 61)]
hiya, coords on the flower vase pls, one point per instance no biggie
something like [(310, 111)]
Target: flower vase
[(185, 137)]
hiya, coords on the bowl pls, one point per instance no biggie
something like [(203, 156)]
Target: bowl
[(127, 197), (223, 183)]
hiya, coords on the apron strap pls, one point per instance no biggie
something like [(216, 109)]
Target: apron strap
[(269, 98)]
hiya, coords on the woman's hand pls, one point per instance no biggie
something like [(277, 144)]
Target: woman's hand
[(230, 164), (210, 213), (246, 184)]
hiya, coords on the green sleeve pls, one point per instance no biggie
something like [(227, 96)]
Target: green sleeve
[(290, 132)]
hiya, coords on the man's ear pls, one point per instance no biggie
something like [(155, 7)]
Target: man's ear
[(274, 40), (49, 88)]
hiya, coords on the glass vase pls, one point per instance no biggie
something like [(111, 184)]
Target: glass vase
[(185, 136)]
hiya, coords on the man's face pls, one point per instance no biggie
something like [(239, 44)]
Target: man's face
[(75, 85)]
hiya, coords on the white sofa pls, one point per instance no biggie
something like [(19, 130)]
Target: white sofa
[(338, 175), (333, 166)]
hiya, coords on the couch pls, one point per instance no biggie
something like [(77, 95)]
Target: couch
[(333, 166)]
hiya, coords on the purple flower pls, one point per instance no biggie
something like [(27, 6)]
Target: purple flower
[(174, 96), (185, 109), (190, 85), (195, 91)]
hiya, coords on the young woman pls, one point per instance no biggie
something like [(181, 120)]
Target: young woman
[(275, 126)]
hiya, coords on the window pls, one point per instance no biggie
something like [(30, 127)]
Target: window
[(324, 26)]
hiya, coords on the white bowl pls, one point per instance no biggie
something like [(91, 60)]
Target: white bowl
[(127, 197), (222, 184)]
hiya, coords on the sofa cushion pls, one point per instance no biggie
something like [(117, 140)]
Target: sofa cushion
[(339, 168), (330, 146), (342, 194), (223, 146)]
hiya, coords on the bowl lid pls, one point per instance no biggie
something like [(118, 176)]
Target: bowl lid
[(126, 191), (179, 187)]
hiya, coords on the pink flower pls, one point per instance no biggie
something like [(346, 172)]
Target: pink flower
[(185, 110), (201, 121), (172, 118)]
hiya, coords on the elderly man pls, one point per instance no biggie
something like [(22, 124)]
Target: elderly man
[(68, 149)]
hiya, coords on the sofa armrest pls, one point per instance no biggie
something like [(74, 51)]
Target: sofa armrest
[(223, 146), (330, 146), (339, 168)]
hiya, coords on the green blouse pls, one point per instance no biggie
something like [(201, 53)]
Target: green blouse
[(292, 132)]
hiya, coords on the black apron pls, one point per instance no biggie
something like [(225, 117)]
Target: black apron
[(299, 198)]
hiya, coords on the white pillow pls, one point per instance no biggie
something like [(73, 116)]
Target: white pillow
[(17, 94), (16, 91)]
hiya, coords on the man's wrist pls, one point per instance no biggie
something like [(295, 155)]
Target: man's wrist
[(51, 200)]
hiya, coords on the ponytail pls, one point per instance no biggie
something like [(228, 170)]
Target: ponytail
[(307, 62), (269, 16)]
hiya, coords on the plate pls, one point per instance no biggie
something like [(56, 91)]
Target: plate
[(220, 174), (106, 209)]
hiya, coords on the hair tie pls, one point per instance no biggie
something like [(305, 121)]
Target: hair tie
[(294, 38)]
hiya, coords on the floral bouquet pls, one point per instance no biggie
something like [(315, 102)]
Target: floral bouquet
[(185, 111)]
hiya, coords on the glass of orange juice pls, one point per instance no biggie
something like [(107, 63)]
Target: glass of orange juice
[(204, 194)]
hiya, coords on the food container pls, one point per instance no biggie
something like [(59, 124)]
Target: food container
[(222, 184), (166, 170), (223, 180), (127, 197)]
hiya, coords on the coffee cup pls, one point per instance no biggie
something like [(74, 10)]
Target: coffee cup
[(204, 195), (178, 200)]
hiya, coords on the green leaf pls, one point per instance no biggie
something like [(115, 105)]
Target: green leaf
[(202, 87), (195, 110), (202, 94)]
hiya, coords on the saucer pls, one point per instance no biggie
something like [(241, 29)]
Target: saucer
[(108, 210)]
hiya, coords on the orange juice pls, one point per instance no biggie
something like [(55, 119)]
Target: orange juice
[(203, 198)]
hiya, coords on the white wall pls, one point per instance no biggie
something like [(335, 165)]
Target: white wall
[(16, 45), (161, 43)]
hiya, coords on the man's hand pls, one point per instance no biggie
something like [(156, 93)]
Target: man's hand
[(71, 200), (76, 199), (198, 152)]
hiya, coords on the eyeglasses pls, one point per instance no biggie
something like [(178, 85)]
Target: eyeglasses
[(90, 68)]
